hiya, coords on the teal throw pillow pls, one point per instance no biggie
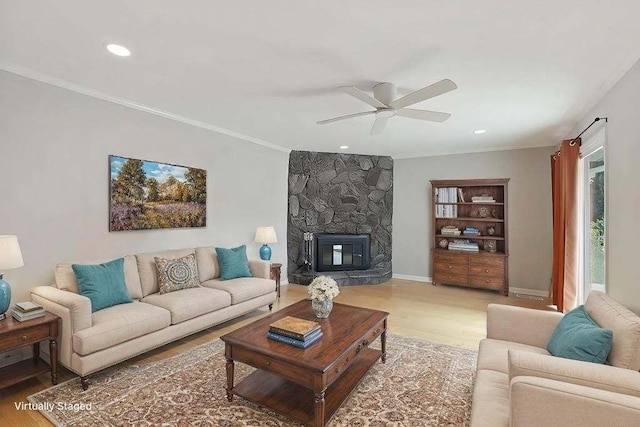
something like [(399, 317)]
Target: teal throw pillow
[(233, 263), (103, 284), (578, 337)]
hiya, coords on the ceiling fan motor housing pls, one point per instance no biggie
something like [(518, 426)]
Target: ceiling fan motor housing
[(385, 92)]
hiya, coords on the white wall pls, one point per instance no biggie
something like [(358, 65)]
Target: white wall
[(622, 158), (54, 147), (530, 216)]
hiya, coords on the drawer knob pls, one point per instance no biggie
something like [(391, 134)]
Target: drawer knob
[(486, 271), (268, 362), (487, 280), (24, 337), (451, 266)]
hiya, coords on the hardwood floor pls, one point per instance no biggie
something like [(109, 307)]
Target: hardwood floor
[(446, 314)]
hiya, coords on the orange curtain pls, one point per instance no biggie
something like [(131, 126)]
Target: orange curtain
[(564, 183)]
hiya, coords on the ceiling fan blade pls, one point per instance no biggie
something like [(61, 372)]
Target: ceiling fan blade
[(443, 86), (348, 116), (379, 125), (362, 96), (432, 116)]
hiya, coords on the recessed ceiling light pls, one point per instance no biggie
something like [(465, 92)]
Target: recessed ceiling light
[(344, 147), (116, 49), (480, 131)]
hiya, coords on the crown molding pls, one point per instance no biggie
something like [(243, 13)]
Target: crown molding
[(55, 81)]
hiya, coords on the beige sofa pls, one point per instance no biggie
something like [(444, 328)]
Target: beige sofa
[(90, 342), (518, 383)]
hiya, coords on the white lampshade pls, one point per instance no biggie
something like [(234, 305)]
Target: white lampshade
[(266, 235), (10, 255)]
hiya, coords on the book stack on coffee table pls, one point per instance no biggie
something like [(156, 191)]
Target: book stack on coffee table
[(295, 331)]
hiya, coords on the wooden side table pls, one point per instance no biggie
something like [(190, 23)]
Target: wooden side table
[(14, 334), (275, 275)]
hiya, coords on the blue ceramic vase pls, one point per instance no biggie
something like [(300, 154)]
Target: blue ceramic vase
[(265, 252), (5, 296)]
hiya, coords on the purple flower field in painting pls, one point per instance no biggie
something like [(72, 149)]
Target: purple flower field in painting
[(157, 215)]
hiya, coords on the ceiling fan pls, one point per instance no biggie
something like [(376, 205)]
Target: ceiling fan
[(386, 105)]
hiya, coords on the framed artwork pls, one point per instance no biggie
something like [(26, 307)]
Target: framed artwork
[(146, 195)]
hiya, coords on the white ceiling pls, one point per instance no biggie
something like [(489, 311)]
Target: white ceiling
[(268, 70)]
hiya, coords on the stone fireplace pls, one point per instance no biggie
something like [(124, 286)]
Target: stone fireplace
[(343, 197)]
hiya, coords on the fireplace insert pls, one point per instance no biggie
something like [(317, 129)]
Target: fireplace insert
[(341, 252)]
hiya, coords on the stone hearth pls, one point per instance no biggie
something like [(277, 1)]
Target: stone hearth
[(340, 193)]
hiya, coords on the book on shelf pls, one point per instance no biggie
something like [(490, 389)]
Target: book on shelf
[(21, 317), (312, 338), (28, 306), (446, 199), (460, 195), (484, 198), (294, 327)]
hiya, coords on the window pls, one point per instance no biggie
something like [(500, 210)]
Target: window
[(593, 210)]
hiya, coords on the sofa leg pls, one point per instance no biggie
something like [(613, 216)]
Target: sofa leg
[(270, 307), (84, 382)]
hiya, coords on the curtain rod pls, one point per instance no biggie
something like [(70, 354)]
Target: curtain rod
[(597, 119)]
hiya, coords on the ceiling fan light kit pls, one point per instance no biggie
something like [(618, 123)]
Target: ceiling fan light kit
[(387, 105)]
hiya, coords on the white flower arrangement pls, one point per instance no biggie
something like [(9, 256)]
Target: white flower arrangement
[(322, 288)]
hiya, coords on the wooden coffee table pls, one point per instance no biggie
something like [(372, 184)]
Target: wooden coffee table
[(306, 385)]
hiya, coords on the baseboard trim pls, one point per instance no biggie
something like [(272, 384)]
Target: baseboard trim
[(534, 292), (414, 278)]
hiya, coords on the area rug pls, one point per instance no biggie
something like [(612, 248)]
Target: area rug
[(422, 384)]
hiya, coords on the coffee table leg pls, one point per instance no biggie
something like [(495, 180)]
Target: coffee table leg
[(230, 368), (383, 342), (319, 409)]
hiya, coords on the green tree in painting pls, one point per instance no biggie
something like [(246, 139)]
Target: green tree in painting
[(197, 178), (153, 190), (128, 187)]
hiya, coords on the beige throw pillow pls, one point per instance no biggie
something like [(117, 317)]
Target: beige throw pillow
[(177, 274)]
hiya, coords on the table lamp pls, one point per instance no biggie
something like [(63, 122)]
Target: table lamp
[(10, 257), (265, 235)]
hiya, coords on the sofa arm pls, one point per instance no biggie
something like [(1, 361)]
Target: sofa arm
[(544, 402), (79, 306), (521, 325), (588, 374), (260, 268)]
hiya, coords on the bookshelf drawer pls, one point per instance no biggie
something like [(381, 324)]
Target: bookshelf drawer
[(485, 260), (482, 270), (451, 268), (25, 336), (486, 282), (450, 258), (453, 279)]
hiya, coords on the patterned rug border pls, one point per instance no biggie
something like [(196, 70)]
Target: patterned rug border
[(217, 347)]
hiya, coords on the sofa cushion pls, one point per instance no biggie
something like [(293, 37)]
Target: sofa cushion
[(494, 354), (103, 283), (177, 274), (66, 278), (610, 314), (118, 324), (603, 377), (207, 260), (148, 271), (233, 262), (577, 337), (189, 303), (490, 402), (242, 289)]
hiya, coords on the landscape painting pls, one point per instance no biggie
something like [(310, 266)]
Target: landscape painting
[(150, 195)]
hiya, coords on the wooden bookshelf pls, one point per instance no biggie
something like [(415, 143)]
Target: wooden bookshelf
[(484, 269)]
